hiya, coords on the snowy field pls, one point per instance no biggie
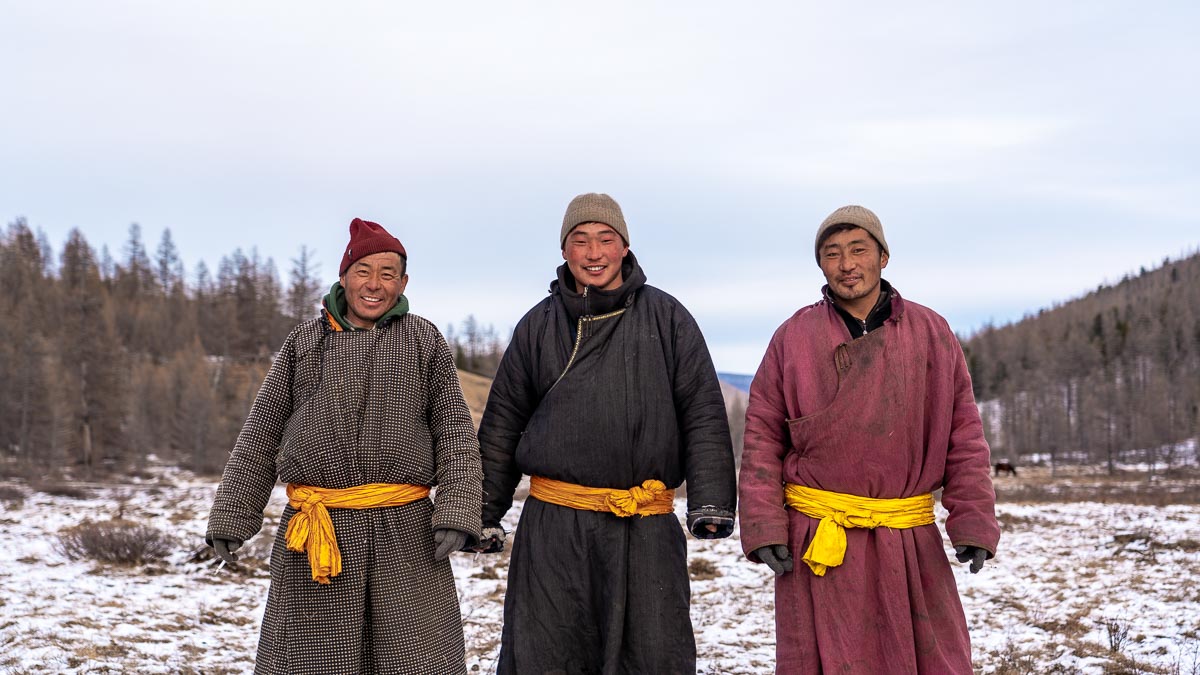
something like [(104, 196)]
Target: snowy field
[(1078, 587)]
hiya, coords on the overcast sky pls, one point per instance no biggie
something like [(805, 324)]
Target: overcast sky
[(1019, 154)]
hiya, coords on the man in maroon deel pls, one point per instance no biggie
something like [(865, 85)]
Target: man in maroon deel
[(861, 409)]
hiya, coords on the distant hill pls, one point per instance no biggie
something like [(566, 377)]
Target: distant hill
[(738, 380), (475, 390), (1111, 376)]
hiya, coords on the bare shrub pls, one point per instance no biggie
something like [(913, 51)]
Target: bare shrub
[(63, 490), (1013, 661), (1187, 662), (1118, 635), (703, 569), (120, 542)]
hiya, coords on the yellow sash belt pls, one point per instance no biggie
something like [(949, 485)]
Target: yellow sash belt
[(838, 511), (648, 499), (311, 530)]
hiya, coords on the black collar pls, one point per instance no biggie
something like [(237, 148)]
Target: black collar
[(592, 301), (880, 313)]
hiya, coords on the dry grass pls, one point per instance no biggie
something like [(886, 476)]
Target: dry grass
[(702, 569), (1041, 485), (1015, 660), (475, 389), (210, 615), (85, 655), (62, 490)]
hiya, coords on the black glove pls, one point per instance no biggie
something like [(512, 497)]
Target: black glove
[(776, 557), (492, 541), (710, 522), (447, 541), (225, 547), (974, 554)]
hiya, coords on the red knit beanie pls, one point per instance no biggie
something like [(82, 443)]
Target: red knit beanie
[(367, 238)]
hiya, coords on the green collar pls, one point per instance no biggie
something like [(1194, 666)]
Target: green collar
[(335, 304)]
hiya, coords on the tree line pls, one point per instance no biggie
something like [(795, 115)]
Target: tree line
[(1111, 377), (106, 360)]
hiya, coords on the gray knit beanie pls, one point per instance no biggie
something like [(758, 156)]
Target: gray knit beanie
[(593, 207), (859, 216)]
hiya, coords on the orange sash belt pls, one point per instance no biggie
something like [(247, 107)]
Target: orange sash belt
[(836, 511), (311, 530), (648, 499)]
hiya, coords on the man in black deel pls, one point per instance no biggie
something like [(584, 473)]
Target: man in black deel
[(607, 398)]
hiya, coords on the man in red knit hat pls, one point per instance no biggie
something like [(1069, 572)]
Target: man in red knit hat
[(360, 415)]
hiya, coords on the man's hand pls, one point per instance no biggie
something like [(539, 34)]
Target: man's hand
[(492, 541), (225, 548), (710, 522), (972, 554), (447, 541), (776, 557)]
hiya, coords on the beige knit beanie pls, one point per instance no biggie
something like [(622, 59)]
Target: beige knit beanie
[(859, 216), (593, 208)]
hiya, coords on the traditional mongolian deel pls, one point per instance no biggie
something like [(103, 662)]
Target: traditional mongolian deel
[(890, 415), (604, 389), (346, 408)]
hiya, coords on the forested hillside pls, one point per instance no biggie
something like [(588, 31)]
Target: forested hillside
[(105, 360), (1112, 376)]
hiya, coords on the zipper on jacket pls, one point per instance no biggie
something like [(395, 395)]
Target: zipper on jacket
[(579, 337)]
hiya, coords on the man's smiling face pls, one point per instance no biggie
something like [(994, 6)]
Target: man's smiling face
[(373, 284), (594, 252)]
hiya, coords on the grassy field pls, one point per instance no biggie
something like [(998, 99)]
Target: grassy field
[(1095, 574)]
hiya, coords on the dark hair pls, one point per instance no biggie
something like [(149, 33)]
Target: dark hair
[(403, 264), (843, 227)]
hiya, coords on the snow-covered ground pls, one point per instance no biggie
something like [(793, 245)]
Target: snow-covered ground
[(1077, 588)]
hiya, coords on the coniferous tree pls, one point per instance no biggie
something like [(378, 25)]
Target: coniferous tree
[(108, 267), (26, 431), (304, 288), (206, 301), (168, 266), (47, 254), (269, 311), (134, 291), (193, 428), (91, 371)]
